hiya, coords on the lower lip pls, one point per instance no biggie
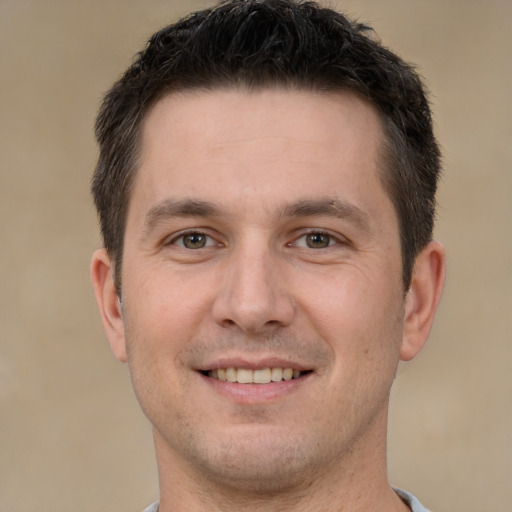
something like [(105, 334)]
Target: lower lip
[(256, 393)]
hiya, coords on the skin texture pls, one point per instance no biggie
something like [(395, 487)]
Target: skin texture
[(300, 267)]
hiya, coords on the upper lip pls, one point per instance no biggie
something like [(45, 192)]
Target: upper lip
[(252, 363)]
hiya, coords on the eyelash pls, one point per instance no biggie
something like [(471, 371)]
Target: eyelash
[(332, 239), (210, 241)]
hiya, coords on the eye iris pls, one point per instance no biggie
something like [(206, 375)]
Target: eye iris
[(317, 240), (194, 241)]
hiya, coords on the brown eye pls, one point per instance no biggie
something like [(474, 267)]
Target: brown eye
[(193, 240), (318, 240)]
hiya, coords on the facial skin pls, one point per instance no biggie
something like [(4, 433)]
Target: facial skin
[(259, 236)]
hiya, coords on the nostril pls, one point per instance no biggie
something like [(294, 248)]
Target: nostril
[(228, 323)]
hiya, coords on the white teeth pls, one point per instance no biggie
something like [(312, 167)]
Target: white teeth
[(245, 376), (231, 374), (262, 376), (277, 374), (287, 374)]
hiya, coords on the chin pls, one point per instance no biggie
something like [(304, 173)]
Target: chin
[(260, 460)]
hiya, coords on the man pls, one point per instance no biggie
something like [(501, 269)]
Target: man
[(266, 191)]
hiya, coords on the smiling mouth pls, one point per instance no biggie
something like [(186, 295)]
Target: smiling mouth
[(261, 376)]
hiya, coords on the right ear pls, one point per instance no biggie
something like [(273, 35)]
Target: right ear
[(108, 302)]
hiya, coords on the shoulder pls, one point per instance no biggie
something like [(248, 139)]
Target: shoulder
[(411, 500), (152, 508)]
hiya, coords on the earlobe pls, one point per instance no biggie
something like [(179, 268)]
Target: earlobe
[(108, 302), (423, 298)]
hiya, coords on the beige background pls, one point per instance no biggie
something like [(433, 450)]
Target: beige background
[(71, 435)]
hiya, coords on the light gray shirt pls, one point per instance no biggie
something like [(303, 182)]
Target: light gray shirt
[(413, 502)]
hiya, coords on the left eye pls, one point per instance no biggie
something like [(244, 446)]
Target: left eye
[(315, 240), (194, 240)]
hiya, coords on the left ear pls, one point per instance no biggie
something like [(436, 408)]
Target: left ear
[(422, 299)]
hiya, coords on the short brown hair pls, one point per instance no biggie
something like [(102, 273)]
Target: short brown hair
[(260, 43)]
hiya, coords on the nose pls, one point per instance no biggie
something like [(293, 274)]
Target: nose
[(253, 294)]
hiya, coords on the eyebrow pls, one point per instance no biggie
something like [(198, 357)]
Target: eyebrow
[(330, 207), (169, 208)]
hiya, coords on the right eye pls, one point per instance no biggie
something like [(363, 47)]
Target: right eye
[(194, 240), (316, 240)]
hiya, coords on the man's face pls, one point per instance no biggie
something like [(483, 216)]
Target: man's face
[(260, 242)]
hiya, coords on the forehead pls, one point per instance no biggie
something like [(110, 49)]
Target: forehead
[(259, 150), (259, 127), (206, 110)]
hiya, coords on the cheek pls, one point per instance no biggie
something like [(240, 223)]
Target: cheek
[(163, 315), (165, 305), (155, 334), (360, 314)]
